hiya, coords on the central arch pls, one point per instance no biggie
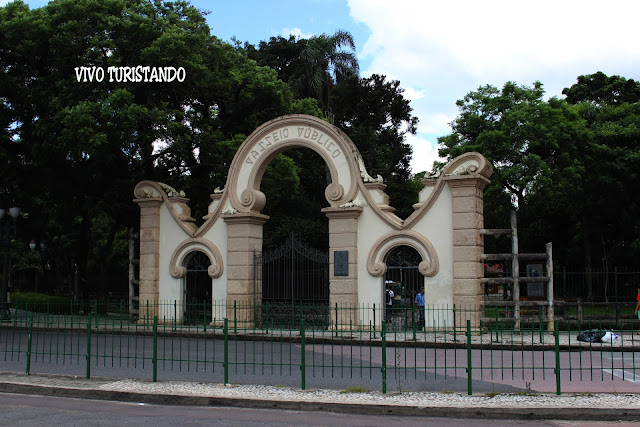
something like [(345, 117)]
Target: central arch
[(282, 134), (244, 202)]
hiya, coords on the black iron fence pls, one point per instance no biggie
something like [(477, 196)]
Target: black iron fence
[(597, 285), (601, 286)]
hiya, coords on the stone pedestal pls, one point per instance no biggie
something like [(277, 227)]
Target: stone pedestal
[(149, 257), (468, 246), (343, 290), (244, 239)]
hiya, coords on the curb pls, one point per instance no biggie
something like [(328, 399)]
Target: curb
[(524, 413)]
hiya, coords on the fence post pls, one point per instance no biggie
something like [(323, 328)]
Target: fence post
[(540, 323), (615, 286), (235, 318), (383, 369), (557, 348), (89, 346), (497, 322), (155, 349), (374, 316), (455, 339), (204, 316), (469, 380), (29, 340), (303, 367), (225, 365), (579, 301)]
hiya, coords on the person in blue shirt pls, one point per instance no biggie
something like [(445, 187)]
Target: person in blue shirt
[(419, 302)]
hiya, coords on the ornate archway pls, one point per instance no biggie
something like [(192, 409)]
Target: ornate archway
[(444, 229)]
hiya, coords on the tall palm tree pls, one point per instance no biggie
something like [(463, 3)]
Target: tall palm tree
[(324, 63)]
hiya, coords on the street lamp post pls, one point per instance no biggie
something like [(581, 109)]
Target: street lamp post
[(5, 227)]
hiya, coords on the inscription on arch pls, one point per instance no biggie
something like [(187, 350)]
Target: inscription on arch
[(285, 134)]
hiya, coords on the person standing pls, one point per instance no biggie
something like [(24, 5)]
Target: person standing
[(389, 303), (419, 303)]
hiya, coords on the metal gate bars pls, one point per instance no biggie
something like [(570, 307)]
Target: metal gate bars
[(292, 283)]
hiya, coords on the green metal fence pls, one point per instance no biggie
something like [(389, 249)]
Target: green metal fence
[(461, 347)]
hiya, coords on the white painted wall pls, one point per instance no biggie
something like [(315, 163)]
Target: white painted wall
[(218, 235), (170, 289), (436, 226)]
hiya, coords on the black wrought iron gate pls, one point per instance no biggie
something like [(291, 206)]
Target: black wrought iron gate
[(292, 282), (405, 280), (197, 290)]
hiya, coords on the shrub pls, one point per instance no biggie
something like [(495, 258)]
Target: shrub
[(41, 303)]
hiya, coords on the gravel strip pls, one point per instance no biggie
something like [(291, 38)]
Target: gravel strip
[(417, 399)]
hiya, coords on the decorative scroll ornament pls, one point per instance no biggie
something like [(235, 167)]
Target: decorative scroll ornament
[(147, 190), (334, 192), (363, 171), (375, 261), (253, 199), (170, 191), (469, 164)]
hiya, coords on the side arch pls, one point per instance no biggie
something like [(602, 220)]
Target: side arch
[(381, 248), (176, 266)]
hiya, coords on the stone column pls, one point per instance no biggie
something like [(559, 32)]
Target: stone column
[(149, 257), (468, 245), (244, 238), (343, 290)]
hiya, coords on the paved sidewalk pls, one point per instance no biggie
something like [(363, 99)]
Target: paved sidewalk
[(595, 407)]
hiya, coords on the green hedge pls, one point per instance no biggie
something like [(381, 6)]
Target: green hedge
[(41, 303)]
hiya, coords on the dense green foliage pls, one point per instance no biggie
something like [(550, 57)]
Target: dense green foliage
[(72, 151), (371, 111), (570, 167), (42, 303)]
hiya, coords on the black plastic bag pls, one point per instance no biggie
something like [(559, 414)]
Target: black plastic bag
[(594, 335)]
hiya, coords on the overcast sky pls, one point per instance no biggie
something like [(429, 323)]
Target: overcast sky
[(441, 50)]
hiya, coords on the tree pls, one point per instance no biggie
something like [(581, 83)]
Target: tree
[(372, 111), (323, 63), (311, 67), (75, 149), (610, 106), (534, 146), (603, 90), (570, 168), (375, 115)]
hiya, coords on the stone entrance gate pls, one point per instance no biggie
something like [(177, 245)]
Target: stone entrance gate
[(363, 230)]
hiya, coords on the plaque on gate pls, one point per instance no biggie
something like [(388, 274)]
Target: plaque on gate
[(340, 263)]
